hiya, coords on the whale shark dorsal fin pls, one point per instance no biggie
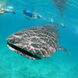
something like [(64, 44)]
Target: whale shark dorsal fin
[(62, 48)]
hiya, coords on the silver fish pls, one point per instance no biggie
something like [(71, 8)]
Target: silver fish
[(35, 42)]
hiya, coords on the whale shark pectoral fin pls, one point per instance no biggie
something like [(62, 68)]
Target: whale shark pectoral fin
[(62, 48)]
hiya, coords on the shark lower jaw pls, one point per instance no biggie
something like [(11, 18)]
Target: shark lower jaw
[(22, 52)]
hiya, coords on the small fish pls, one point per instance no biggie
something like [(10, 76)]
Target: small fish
[(35, 42)]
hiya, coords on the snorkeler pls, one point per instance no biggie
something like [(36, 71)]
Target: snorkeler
[(6, 10), (31, 14)]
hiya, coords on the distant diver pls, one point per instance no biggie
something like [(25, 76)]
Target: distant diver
[(31, 14), (6, 10), (61, 5)]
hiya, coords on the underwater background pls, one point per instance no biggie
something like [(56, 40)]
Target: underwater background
[(60, 64)]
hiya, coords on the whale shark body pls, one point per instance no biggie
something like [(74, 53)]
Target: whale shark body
[(35, 42)]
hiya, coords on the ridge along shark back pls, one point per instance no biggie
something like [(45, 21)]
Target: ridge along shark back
[(36, 42)]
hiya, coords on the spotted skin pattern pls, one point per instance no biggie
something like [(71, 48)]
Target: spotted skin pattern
[(41, 40)]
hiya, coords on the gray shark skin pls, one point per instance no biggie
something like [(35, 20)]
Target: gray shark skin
[(35, 42)]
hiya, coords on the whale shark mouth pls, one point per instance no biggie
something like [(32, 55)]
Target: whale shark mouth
[(23, 52)]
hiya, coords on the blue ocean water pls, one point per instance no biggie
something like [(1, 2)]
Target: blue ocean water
[(60, 64)]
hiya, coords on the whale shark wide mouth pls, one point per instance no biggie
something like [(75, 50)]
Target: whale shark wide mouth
[(23, 52)]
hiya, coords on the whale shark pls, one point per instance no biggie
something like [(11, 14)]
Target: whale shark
[(35, 42)]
